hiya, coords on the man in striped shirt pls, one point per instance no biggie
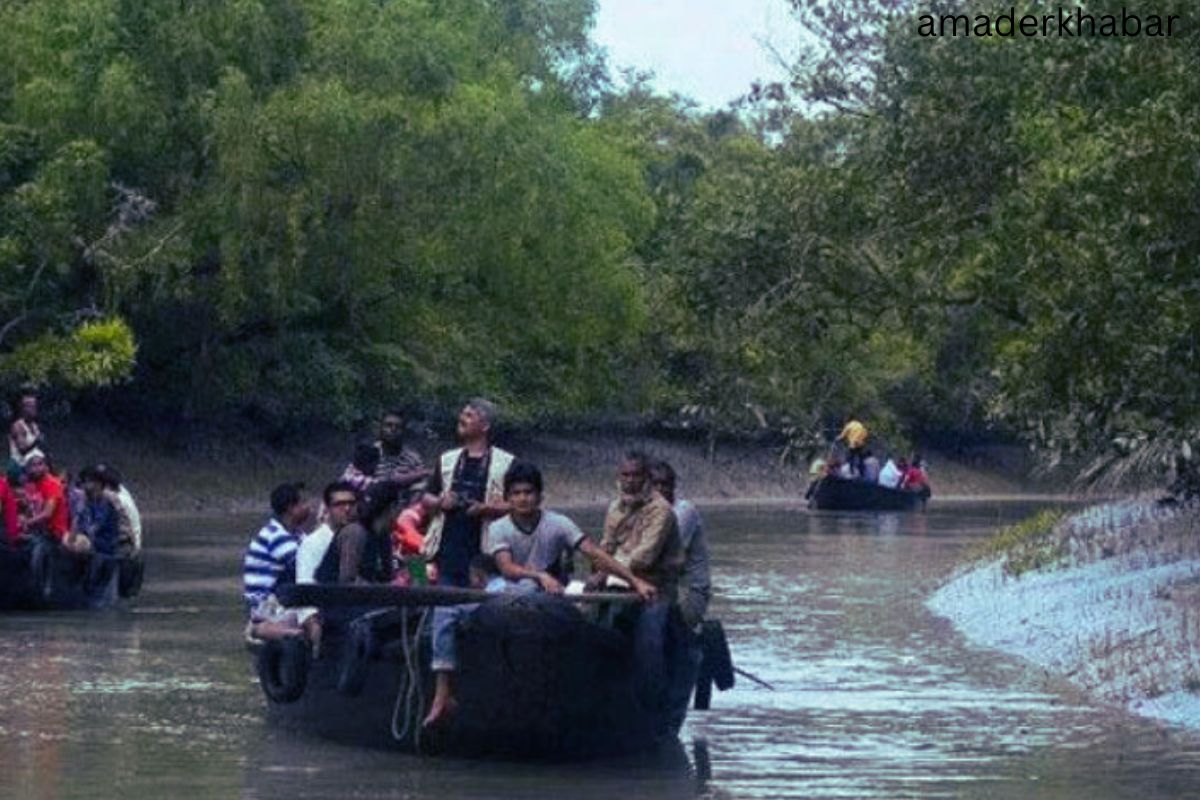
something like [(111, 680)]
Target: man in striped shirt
[(271, 557)]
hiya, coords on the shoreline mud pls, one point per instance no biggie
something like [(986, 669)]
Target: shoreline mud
[(221, 473), (1114, 605)]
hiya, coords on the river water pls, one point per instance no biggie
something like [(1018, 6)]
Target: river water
[(874, 697)]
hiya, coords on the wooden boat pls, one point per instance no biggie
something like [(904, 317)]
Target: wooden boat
[(42, 575), (843, 494), (537, 678)]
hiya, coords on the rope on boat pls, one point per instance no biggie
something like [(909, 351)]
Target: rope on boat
[(411, 685)]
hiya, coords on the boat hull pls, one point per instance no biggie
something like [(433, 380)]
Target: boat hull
[(840, 494), (535, 680), (43, 576)]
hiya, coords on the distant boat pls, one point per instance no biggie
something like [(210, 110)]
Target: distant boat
[(536, 678), (845, 494), (42, 575)]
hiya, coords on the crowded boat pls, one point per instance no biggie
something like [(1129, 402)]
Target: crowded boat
[(419, 607), (852, 477), (68, 541)]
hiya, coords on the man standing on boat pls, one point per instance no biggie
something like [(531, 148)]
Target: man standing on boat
[(398, 463), (696, 585), (855, 435), (466, 493), (640, 530)]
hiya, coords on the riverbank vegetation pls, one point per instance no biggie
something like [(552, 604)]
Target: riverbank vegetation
[(298, 211)]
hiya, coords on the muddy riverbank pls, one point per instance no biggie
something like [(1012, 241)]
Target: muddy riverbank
[(223, 472), (1108, 597)]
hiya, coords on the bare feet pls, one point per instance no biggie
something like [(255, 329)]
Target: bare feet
[(444, 705), (440, 712)]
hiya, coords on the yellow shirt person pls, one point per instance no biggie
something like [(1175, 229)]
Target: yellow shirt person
[(854, 434)]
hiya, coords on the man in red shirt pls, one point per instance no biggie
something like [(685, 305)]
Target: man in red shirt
[(8, 512), (49, 513)]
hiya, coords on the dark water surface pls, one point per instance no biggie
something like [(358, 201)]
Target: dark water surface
[(876, 697)]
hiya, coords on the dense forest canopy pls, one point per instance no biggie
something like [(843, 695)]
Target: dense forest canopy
[(304, 210)]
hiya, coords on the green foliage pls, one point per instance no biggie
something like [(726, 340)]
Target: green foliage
[(1030, 544), (311, 209), (96, 353)]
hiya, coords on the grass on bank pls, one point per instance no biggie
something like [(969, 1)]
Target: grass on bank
[(1029, 544)]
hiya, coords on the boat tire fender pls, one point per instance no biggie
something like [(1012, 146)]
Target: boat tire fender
[(718, 663), (283, 669), (356, 657)]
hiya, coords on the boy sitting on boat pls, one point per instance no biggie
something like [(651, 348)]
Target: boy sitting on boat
[(527, 544), (270, 561)]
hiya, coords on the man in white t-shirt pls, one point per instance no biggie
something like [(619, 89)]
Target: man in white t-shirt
[(529, 543)]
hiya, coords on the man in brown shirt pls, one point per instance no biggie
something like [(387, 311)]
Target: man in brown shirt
[(640, 529)]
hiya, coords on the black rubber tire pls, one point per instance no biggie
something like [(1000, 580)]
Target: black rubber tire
[(283, 669), (41, 572), (356, 658), (129, 582), (717, 660)]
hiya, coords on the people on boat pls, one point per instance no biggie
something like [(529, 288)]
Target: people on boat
[(129, 518), (361, 471), (696, 582), (890, 475), (915, 479), (408, 537), (96, 530), (640, 531), (465, 494), (870, 468), (855, 435), (270, 562), (397, 462), (45, 499), (818, 468), (343, 549), (8, 514), (24, 433), (529, 543), (483, 574)]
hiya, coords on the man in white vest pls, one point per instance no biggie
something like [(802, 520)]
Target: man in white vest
[(465, 494)]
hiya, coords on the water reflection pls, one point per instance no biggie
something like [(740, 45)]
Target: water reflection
[(875, 697)]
